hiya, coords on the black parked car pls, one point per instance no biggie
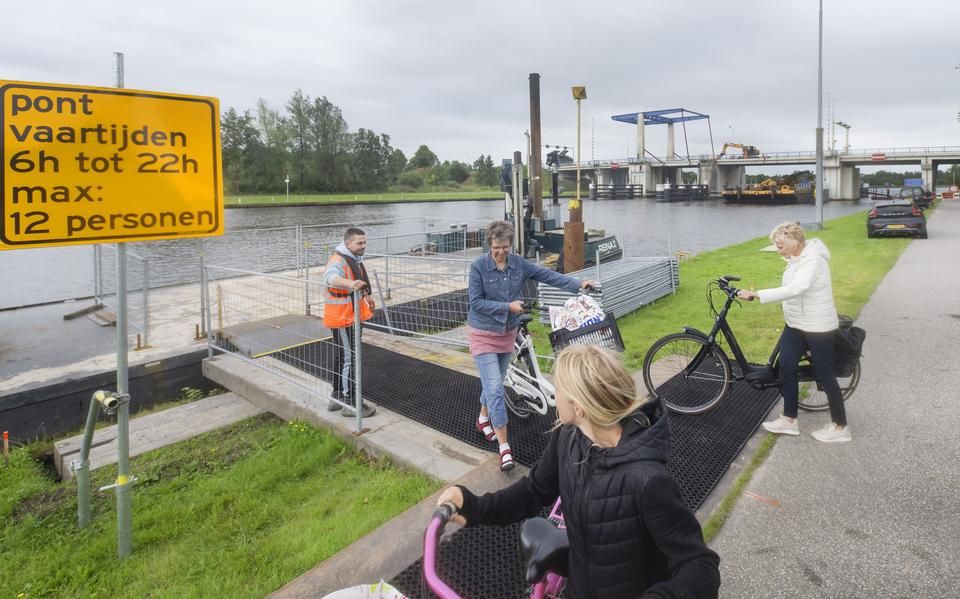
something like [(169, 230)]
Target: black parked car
[(917, 195), (896, 217)]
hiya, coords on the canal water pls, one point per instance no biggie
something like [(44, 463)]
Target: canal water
[(645, 228)]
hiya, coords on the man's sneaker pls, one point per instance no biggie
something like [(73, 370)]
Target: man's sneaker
[(366, 411), (333, 406), (782, 426), (833, 434)]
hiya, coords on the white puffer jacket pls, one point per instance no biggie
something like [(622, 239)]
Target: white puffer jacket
[(807, 292)]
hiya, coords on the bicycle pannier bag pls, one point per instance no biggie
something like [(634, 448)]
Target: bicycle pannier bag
[(847, 349)]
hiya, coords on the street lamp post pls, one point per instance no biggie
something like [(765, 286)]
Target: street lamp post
[(820, 191), (287, 181), (573, 228)]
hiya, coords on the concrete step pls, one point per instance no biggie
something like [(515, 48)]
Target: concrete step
[(104, 318), (156, 430)]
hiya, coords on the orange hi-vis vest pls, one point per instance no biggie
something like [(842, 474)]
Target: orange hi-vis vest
[(338, 303)]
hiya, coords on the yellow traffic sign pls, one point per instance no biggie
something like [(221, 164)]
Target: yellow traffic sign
[(98, 164)]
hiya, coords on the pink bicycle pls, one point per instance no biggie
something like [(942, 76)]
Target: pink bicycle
[(543, 545)]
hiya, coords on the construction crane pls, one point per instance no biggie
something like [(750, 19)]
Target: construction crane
[(748, 151)]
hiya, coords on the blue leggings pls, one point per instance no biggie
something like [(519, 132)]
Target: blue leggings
[(493, 367)]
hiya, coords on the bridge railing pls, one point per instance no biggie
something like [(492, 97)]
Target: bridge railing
[(776, 156)]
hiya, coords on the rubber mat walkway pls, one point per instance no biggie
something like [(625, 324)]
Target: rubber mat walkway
[(483, 561)]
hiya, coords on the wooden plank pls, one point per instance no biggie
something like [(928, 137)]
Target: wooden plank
[(157, 430)]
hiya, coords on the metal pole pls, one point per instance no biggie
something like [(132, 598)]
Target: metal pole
[(124, 483), (713, 150), (306, 286), (298, 234), (819, 174), (205, 293), (535, 163), (357, 386), (388, 273), (203, 296), (81, 467), (96, 269), (383, 301), (146, 302)]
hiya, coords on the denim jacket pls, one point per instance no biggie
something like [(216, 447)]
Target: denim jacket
[(492, 290)]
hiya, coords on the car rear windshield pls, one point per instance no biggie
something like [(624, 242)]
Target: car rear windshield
[(911, 192), (894, 210)]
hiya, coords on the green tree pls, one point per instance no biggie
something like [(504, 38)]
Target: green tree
[(274, 163), (396, 164), (423, 158), (371, 161), (330, 137), (299, 108), (242, 150), (457, 171), (487, 174)]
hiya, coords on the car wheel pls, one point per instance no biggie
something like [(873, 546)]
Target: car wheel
[(923, 233)]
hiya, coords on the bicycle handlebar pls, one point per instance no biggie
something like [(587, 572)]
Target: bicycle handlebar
[(431, 538)]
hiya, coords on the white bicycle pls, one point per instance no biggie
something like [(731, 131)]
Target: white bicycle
[(532, 393)]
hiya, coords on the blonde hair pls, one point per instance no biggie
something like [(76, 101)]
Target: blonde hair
[(595, 379), (788, 230)]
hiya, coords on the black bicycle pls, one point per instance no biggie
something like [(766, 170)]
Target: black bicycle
[(690, 373)]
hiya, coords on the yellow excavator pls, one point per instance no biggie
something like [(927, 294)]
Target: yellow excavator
[(748, 151)]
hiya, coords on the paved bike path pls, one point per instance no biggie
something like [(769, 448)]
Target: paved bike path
[(880, 516)]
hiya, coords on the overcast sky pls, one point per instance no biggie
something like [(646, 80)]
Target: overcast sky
[(454, 75)]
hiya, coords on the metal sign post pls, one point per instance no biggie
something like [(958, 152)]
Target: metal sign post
[(123, 165), (124, 484)]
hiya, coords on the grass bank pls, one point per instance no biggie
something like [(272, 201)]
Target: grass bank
[(857, 266), (281, 199), (233, 513)]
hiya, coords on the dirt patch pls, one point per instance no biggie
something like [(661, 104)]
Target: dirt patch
[(43, 504)]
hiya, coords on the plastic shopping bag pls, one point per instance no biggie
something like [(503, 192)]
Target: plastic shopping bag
[(379, 590), (578, 311)]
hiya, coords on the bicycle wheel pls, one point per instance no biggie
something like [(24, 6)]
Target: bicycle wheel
[(813, 399), (664, 373), (517, 388)]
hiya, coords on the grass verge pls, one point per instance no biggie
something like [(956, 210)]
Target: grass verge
[(719, 517), (233, 513)]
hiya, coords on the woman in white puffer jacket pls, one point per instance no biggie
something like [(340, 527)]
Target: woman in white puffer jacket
[(811, 322)]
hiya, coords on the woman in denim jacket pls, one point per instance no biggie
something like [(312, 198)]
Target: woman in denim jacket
[(496, 281)]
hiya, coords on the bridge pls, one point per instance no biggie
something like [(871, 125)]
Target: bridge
[(841, 168)]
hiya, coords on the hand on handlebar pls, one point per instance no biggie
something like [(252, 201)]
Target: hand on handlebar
[(454, 497), (518, 307), (747, 295)]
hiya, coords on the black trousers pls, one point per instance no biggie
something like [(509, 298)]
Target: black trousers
[(793, 344), (344, 366)]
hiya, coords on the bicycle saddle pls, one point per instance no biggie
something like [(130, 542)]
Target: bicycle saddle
[(544, 548), (525, 318)]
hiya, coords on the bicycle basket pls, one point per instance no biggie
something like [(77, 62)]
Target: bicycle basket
[(605, 333)]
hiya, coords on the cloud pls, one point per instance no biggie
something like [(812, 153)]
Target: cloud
[(454, 75)]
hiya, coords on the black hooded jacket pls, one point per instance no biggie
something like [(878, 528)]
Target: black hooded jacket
[(629, 533)]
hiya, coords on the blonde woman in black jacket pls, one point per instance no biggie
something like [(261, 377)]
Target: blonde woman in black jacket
[(630, 535)]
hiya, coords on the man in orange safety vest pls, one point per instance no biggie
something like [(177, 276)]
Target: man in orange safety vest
[(344, 276)]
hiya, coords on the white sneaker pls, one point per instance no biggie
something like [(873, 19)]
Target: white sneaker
[(833, 434), (782, 426)]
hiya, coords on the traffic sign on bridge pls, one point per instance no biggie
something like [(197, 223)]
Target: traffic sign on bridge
[(88, 164)]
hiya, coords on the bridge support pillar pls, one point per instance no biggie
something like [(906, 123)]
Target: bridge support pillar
[(842, 182), (928, 174), (720, 177)]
